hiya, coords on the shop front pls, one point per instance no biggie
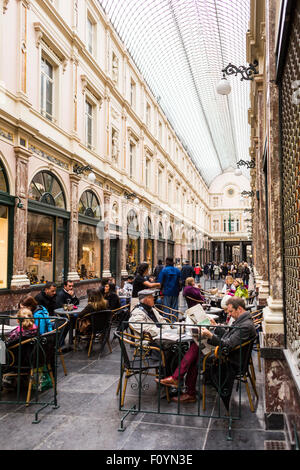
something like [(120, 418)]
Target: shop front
[(170, 243), (148, 244), (133, 243), (6, 229), (90, 247), (161, 243)]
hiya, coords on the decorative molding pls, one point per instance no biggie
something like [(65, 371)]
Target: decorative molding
[(87, 84), (48, 157), (43, 35), (5, 6), (132, 135), (6, 134)]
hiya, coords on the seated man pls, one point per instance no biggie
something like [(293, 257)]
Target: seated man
[(66, 295), (47, 297), (227, 338), (145, 312)]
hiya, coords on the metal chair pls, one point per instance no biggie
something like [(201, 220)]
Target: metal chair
[(141, 362), (100, 326), (242, 373), (34, 353)]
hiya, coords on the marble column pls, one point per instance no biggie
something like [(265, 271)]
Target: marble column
[(106, 242), (19, 278), (155, 259), (222, 252), (73, 228), (273, 313)]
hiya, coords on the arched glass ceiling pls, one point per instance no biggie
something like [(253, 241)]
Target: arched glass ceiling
[(180, 48)]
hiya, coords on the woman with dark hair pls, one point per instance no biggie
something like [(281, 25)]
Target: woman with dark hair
[(141, 282), (40, 313), (111, 296)]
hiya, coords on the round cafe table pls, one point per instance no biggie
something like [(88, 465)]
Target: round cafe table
[(72, 316)]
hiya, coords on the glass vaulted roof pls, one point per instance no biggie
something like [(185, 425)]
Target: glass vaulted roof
[(180, 48)]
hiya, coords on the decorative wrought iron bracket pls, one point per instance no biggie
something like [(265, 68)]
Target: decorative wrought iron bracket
[(246, 72), (247, 163), (80, 169), (247, 193)]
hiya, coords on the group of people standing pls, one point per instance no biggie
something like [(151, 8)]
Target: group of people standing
[(217, 271)]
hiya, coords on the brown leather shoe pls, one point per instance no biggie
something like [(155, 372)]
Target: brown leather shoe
[(185, 398), (168, 381)]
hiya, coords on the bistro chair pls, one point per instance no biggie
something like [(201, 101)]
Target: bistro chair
[(198, 301), (244, 372), (99, 330), (141, 362), (173, 316), (120, 314), (34, 353)]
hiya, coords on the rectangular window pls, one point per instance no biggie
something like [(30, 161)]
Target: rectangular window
[(131, 160), (225, 223), (3, 246), (159, 183), (160, 131), (90, 35), (132, 93), (147, 173), (89, 252), (89, 124), (148, 115), (47, 89)]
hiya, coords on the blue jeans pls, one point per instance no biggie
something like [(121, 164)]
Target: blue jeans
[(172, 302)]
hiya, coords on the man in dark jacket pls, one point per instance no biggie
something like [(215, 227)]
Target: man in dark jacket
[(186, 271), (47, 297), (66, 295), (157, 269)]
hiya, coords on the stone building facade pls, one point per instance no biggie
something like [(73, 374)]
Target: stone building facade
[(93, 179), (273, 40)]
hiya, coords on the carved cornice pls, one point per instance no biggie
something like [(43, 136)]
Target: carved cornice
[(132, 135), (42, 34), (87, 84)]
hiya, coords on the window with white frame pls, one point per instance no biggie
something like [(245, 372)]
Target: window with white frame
[(88, 123), (159, 182), (90, 34), (47, 89), (132, 93), (148, 115), (132, 148), (147, 173), (160, 131)]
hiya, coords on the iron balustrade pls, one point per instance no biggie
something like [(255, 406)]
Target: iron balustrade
[(31, 357), (136, 357)]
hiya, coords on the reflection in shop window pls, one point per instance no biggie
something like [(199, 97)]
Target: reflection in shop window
[(89, 252), (39, 259)]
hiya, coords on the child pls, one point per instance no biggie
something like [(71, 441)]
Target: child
[(26, 328)]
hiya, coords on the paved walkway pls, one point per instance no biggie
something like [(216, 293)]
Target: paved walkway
[(88, 416)]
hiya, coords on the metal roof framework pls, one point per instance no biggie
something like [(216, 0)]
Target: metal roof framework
[(180, 48)]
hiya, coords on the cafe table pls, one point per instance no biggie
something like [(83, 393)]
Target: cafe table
[(72, 316)]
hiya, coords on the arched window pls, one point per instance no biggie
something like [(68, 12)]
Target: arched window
[(89, 205), (132, 221), (47, 234), (6, 214), (46, 188), (3, 179)]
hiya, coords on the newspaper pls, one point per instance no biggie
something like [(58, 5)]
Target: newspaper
[(197, 316)]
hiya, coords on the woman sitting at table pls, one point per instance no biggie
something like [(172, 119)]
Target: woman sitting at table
[(229, 287), (110, 295), (96, 303), (191, 290), (40, 314), (26, 328)]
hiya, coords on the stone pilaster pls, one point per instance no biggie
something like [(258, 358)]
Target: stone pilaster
[(73, 231), (106, 243), (124, 272), (19, 278)]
